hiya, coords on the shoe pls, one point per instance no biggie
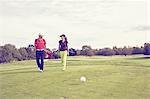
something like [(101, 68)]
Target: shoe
[(41, 70)]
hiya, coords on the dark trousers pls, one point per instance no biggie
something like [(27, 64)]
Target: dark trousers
[(40, 59)]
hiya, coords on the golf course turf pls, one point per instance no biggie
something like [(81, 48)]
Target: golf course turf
[(113, 77)]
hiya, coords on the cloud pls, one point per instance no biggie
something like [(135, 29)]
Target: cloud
[(141, 28), (93, 22)]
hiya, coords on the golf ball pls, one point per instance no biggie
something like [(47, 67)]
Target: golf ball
[(82, 79)]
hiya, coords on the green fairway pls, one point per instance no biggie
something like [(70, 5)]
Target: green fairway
[(116, 77)]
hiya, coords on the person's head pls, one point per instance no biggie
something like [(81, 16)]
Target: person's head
[(40, 36), (63, 37)]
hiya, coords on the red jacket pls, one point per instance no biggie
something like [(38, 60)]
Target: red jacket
[(40, 44)]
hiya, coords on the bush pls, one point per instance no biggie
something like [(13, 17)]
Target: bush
[(5, 56), (9, 53), (87, 51), (147, 49), (24, 53), (106, 52), (137, 50), (31, 53), (126, 51), (72, 52)]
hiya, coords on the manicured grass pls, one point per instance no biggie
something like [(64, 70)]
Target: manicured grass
[(116, 77)]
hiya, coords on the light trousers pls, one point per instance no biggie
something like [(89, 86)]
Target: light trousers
[(63, 55)]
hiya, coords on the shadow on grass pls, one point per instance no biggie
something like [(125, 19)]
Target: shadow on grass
[(73, 60), (26, 68), (16, 69), (139, 58), (20, 72)]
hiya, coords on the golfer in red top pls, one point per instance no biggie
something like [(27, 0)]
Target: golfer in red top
[(40, 45)]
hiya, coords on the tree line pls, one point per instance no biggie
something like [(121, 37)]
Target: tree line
[(9, 52), (88, 51)]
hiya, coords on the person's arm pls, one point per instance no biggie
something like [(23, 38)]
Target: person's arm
[(44, 43), (35, 43), (45, 46), (67, 46), (59, 46)]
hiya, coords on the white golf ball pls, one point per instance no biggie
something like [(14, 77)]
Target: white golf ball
[(83, 79)]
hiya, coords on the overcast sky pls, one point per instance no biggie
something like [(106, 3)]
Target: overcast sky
[(99, 23)]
